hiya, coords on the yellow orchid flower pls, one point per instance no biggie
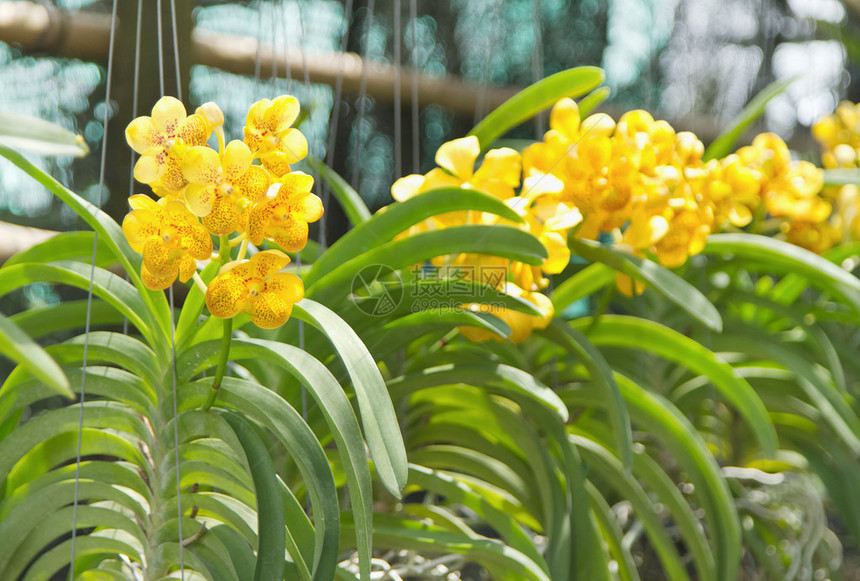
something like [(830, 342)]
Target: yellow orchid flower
[(222, 187), (256, 287), (270, 136), (283, 215), (169, 237), (816, 237), (161, 140)]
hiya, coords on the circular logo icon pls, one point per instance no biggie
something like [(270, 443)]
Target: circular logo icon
[(376, 290)]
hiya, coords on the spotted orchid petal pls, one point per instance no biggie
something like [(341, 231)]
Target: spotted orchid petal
[(236, 160), (142, 136), (283, 111), (202, 165), (167, 115)]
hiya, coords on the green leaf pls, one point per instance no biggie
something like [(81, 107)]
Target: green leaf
[(65, 246), (534, 99), (841, 177), (493, 377), (28, 133), (332, 402), (723, 144), (593, 100), (497, 240), (589, 280), (65, 316), (381, 429), (16, 345), (665, 422), (667, 283), (419, 536), (270, 509), (455, 491), (108, 230), (352, 204), (572, 340), (605, 463), (106, 286), (779, 256), (382, 227), (275, 413), (636, 333), (404, 330)]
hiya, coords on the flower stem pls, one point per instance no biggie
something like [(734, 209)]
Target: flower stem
[(199, 282), (224, 250), (243, 249), (222, 364)]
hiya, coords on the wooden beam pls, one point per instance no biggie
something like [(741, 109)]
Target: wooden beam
[(14, 239), (40, 28)]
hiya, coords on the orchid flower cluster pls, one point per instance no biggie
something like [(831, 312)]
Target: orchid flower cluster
[(636, 182), (839, 135), (205, 193)]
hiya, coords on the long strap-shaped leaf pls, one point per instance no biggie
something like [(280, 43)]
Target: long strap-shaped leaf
[(381, 429), (667, 283), (270, 509), (572, 340), (270, 410), (779, 256), (351, 202), (398, 217), (498, 240), (109, 231), (16, 345), (665, 422), (534, 99), (106, 286), (333, 403), (632, 332)]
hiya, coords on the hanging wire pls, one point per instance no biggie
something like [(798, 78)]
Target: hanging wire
[(160, 48), (108, 79), (285, 40), (362, 99), (537, 62), (307, 80), (398, 145), (481, 101), (135, 90), (173, 325), (333, 122), (257, 54), (416, 138), (134, 105)]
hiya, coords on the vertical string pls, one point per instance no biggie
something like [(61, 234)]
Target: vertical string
[(416, 138), (398, 144), (160, 48), (333, 121), (481, 101), (307, 80), (108, 80), (286, 44), (362, 101), (257, 54), (537, 62), (173, 325), (134, 105)]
